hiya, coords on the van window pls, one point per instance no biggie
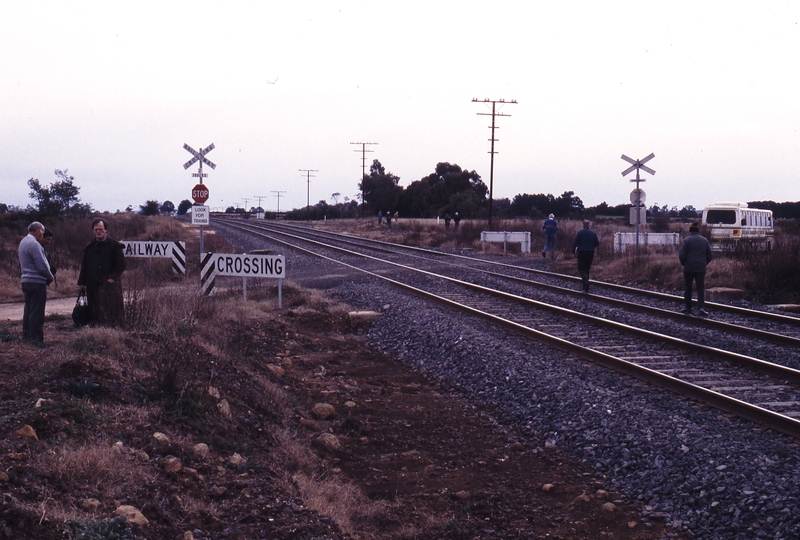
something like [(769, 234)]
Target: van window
[(721, 217)]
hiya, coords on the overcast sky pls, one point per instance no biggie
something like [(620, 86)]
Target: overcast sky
[(111, 91)]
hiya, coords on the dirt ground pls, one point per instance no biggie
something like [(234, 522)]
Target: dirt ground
[(422, 461)]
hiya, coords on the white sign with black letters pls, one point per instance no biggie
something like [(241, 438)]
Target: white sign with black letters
[(200, 215)]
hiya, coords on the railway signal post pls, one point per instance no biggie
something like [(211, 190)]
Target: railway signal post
[(638, 195), (199, 192)]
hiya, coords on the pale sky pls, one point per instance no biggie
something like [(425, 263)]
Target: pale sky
[(112, 90)]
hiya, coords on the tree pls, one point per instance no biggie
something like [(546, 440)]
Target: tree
[(184, 206), (60, 196), (434, 194), (3, 208), (150, 208), (380, 189), (167, 208)]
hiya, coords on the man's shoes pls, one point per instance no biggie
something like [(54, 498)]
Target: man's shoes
[(544, 254), (702, 313), (686, 311)]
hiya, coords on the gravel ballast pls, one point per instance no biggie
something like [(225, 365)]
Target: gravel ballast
[(706, 472)]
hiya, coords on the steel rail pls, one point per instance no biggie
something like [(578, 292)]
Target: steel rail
[(777, 317), (771, 337), (774, 370), (749, 411)]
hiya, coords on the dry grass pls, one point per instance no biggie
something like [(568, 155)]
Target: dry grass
[(95, 469)]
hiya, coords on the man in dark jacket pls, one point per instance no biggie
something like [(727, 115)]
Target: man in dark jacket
[(584, 245), (695, 254), (101, 272), (550, 227)]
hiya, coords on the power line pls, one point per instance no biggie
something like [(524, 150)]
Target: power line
[(309, 176), (363, 169), (493, 114)]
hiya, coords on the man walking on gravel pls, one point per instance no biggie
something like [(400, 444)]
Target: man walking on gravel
[(36, 276), (695, 254), (550, 228), (584, 245)]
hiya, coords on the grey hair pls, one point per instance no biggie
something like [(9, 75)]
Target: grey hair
[(35, 226)]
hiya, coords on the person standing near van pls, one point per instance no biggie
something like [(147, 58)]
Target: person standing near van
[(695, 254)]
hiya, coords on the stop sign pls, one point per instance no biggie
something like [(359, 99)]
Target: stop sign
[(200, 193)]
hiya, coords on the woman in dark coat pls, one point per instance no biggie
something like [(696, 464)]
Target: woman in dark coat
[(101, 272)]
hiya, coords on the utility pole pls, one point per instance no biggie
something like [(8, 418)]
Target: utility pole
[(278, 194), (259, 198), (363, 169), (246, 200), (309, 176), (494, 113)]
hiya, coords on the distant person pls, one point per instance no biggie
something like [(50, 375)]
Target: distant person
[(585, 243), (550, 228), (35, 277), (446, 221), (389, 219), (46, 239), (456, 220), (380, 217), (395, 215), (695, 254), (101, 274)]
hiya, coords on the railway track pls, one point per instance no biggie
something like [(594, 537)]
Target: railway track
[(640, 333)]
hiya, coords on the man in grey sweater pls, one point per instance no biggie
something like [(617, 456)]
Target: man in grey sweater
[(694, 255), (36, 276)]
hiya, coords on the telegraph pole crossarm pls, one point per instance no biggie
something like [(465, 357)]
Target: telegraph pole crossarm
[(493, 127)]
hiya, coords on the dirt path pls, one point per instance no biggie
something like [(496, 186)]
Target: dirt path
[(12, 311)]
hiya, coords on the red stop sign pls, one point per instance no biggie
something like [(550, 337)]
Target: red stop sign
[(200, 193)]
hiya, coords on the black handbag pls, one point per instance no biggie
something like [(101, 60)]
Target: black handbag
[(80, 313)]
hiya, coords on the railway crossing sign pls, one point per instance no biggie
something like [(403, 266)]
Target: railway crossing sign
[(200, 192), (637, 164), (637, 195), (199, 156)]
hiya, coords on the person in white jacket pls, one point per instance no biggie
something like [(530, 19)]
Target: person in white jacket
[(36, 276)]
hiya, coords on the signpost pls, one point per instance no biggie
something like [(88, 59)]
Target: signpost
[(199, 192), (638, 195)]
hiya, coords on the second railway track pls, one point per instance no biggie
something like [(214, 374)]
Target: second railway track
[(765, 389)]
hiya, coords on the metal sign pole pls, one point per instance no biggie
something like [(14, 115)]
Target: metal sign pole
[(637, 195), (199, 156)]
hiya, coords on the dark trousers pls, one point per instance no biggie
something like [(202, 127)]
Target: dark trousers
[(550, 245), (585, 259), (106, 303), (700, 279), (35, 295)]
